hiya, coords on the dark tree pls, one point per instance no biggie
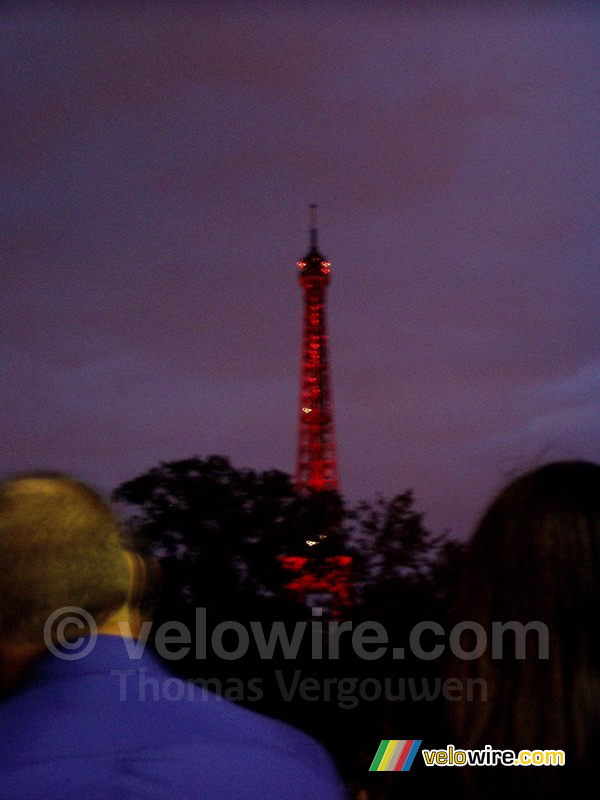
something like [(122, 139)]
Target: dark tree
[(446, 571), (391, 541), (218, 530)]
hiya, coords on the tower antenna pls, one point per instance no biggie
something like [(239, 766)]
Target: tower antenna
[(313, 226)]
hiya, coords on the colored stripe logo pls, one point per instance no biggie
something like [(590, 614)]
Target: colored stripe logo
[(395, 755)]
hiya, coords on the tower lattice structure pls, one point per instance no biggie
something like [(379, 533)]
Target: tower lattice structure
[(320, 576), (316, 466)]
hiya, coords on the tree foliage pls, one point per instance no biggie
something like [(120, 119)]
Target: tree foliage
[(218, 530), (392, 539)]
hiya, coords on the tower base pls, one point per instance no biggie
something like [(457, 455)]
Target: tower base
[(320, 582)]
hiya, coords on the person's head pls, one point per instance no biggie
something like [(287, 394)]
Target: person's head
[(535, 557), (60, 546)]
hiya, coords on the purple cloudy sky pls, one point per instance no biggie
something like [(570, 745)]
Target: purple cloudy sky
[(157, 163)]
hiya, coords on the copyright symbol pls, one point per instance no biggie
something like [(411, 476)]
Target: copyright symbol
[(70, 617)]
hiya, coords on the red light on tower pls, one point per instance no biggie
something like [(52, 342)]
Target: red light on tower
[(316, 466)]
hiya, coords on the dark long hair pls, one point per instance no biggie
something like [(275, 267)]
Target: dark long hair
[(535, 557)]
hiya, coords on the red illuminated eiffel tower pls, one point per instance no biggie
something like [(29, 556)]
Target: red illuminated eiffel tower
[(316, 466), (317, 579)]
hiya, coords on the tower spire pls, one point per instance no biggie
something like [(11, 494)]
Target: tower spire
[(313, 226)]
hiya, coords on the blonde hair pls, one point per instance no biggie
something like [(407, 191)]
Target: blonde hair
[(60, 546)]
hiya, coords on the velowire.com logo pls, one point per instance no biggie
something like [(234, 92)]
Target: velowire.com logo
[(395, 755)]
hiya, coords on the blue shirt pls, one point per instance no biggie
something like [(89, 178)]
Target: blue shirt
[(106, 727)]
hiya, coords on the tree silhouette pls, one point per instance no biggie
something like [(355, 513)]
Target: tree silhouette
[(391, 543), (218, 530)]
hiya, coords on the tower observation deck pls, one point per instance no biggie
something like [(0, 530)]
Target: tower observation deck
[(316, 466)]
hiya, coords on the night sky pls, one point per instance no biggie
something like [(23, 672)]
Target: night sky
[(157, 165)]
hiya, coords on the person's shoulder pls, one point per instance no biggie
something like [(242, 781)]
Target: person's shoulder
[(265, 740), (104, 715), (261, 754)]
